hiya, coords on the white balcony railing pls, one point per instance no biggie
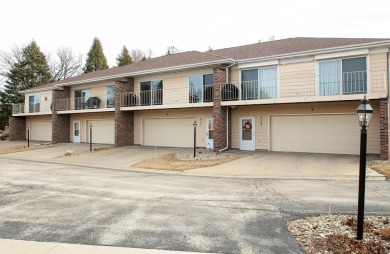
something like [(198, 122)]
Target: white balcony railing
[(182, 95), (81, 103), (362, 82), (32, 108)]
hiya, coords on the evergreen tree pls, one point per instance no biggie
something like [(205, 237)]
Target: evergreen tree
[(30, 71), (124, 57), (95, 58)]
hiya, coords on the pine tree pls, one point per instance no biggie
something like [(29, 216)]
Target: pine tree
[(124, 57), (96, 59), (32, 70)]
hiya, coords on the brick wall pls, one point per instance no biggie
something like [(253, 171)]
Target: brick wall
[(219, 112), (124, 120), (384, 128), (61, 122), (17, 127)]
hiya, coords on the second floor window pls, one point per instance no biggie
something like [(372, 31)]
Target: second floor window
[(33, 103), (80, 98), (110, 96), (259, 83), (151, 92), (201, 88), (343, 76)]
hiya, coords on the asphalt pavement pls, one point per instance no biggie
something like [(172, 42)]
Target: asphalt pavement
[(89, 205)]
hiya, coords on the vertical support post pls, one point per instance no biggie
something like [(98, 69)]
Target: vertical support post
[(195, 124), (90, 137), (362, 182), (28, 136)]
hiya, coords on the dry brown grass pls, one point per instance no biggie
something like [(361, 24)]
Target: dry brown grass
[(384, 233), (382, 169), (169, 162), (16, 149)]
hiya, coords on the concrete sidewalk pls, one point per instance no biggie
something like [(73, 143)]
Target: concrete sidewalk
[(254, 165), (8, 246)]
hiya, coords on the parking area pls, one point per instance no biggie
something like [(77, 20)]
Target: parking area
[(254, 165)]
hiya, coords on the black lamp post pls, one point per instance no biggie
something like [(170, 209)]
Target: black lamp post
[(28, 135), (90, 136), (364, 114), (195, 124)]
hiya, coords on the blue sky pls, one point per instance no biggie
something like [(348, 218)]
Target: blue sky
[(189, 25)]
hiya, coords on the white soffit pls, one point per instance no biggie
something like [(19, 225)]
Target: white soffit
[(257, 64), (342, 54), (296, 60)]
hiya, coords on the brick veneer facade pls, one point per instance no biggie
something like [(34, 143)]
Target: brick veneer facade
[(60, 122), (17, 126), (124, 120), (219, 112), (384, 128)]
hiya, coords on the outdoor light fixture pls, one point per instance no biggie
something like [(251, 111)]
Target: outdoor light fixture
[(90, 136), (364, 114), (195, 124)]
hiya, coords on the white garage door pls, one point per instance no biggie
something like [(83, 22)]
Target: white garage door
[(40, 130), (103, 131), (338, 134), (172, 132)]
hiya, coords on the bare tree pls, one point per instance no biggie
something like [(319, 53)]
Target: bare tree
[(172, 50), (139, 55), (8, 60), (66, 64)]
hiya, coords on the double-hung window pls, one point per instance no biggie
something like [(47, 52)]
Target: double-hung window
[(201, 88), (343, 76), (33, 103), (259, 83), (151, 92), (110, 96)]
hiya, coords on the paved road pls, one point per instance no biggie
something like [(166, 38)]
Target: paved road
[(90, 205)]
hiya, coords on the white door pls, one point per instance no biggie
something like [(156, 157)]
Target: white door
[(209, 133), (247, 133), (76, 132), (326, 133), (103, 131), (40, 130), (169, 132)]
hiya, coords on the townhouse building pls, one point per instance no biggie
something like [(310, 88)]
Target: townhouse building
[(289, 95)]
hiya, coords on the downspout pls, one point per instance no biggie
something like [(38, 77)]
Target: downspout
[(227, 111)]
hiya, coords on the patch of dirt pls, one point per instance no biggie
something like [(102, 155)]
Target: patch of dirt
[(16, 149), (170, 162)]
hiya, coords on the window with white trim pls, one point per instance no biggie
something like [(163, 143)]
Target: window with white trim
[(343, 76), (151, 92), (34, 102), (259, 83), (201, 88)]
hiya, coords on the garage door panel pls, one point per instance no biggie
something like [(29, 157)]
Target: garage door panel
[(103, 131), (41, 130), (315, 133), (170, 132)]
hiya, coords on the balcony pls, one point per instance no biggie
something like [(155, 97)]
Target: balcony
[(85, 104), (31, 108), (343, 86), (169, 98)]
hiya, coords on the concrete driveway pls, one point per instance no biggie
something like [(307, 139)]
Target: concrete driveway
[(255, 165)]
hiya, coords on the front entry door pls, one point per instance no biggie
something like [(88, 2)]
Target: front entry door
[(247, 133), (209, 133), (76, 132)]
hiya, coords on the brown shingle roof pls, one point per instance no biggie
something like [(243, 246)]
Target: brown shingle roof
[(257, 50), (287, 46)]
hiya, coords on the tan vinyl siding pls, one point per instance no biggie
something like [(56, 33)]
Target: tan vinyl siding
[(200, 113), (377, 69), (234, 75), (297, 78), (262, 114), (45, 101), (38, 118), (83, 118)]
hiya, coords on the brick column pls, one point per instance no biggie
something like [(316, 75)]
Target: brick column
[(384, 128), (17, 128), (61, 122), (219, 112), (124, 120)]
